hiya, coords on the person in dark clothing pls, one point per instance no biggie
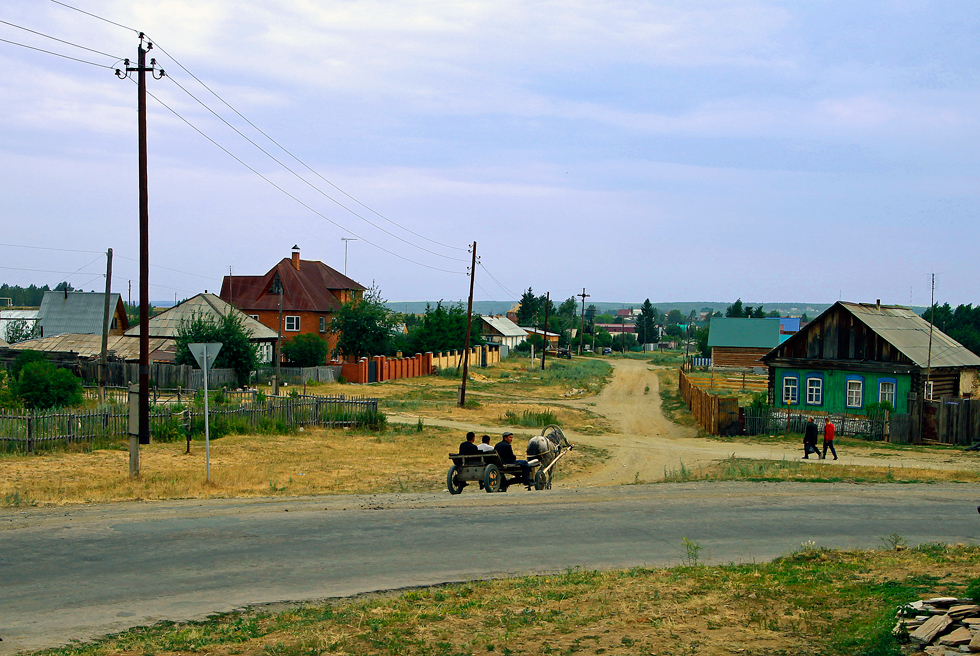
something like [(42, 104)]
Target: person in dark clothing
[(469, 446), (507, 456), (810, 439)]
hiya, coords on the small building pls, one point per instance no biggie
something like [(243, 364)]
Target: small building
[(501, 330), (89, 347), (551, 337), (618, 328), (310, 291), (80, 313), (741, 343), (9, 318), (854, 354)]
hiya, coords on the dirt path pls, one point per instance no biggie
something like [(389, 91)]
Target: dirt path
[(646, 444)]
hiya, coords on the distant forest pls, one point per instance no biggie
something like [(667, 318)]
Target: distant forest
[(961, 323), (29, 296)]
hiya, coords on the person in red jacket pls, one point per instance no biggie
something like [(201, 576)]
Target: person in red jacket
[(828, 439)]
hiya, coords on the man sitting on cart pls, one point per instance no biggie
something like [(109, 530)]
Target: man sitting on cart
[(469, 446), (507, 456)]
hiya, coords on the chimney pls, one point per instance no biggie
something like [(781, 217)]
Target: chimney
[(878, 304), (296, 257)]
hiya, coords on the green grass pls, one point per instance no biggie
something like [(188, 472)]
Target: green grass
[(529, 418)]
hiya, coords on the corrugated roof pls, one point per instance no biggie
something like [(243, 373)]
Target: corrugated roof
[(909, 333), (505, 326), (307, 289), (167, 323), (75, 312), (8, 316), (90, 346), (728, 332)]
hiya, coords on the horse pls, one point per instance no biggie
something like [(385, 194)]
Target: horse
[(545, 448)]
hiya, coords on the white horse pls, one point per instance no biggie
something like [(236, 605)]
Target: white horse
[(546, 449)]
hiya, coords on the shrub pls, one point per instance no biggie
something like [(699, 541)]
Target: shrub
[(306, 350), (41, 385)]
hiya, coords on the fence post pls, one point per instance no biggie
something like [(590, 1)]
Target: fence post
[(70, 433), (30, 434)]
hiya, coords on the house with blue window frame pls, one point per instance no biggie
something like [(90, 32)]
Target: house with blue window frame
[(855, 354)]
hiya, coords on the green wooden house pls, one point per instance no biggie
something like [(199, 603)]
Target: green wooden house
[(855, 354)]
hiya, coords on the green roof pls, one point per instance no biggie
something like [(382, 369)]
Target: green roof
[(744, 333)]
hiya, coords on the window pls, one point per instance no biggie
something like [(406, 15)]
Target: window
[(323, 324), (292, 323), (855, 392), (254, 316), (929, 390), (814, 390), (886, 390), (791, 389)]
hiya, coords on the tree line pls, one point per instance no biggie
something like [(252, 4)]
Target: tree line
[(31, 295)]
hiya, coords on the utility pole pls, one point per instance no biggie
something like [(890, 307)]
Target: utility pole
[(105, 326), (547, 306), (932, 320), (466, 344), (278, 354), (141, 69), (581, 330), (346, 241)]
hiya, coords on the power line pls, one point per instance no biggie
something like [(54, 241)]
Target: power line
[(310, 184), (84, 61), (285, 150), (485, 292), (48, 36), (94, 16), (121, 257), (48, 248), (499, 284), (321, 215)]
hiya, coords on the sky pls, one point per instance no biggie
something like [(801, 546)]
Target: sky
[(770, 151)]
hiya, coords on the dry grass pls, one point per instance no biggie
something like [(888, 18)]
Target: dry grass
[(814, 601), (318, 461)]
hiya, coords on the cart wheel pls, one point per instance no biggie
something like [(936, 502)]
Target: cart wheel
[(541, 481), (452, 481), (491, 478)]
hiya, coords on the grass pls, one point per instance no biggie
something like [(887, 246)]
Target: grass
[(671, 403), (742, 469), (812, 601), (530, 418)]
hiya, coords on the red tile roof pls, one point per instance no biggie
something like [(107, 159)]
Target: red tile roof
[(309, 289)]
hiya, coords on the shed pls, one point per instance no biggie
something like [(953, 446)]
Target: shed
[(80, 313), (499, 329), (741, 342)]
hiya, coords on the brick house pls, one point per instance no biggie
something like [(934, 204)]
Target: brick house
[(311, 294)]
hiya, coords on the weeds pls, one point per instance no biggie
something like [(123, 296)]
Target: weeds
[(530, 418), (894, 542), (692, 552), (17, 500)]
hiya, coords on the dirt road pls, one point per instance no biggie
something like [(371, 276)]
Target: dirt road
[(645, 444)]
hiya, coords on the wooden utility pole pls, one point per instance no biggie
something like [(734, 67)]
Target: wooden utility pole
[(105, 327), (466, 343), (143, 435), (544, 349), (581, 330), (278, 354)]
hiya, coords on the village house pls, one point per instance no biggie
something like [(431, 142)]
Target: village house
[(741, 343), (308, 293), (855, 354), (80, 313), (501, 330)]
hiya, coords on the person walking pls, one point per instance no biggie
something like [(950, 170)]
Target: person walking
[(828, 439), (810, 439)]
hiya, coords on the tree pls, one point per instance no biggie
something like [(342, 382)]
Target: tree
[(774, 314), (306, 350), (363, 325), (701, 337), (443, 328), (646, 323), (528, 309), (962, 324), (674, 316), (40, 385), (568, 308), (735, 310), (19, 330), (237, 352)]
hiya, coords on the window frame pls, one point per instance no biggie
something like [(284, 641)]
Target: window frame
[(323, 324), (793, 398), (929, 390), (286, 322), (888, 381), (819, 378), (851, 378)]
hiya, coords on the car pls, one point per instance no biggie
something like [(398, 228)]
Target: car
[(606, 350)]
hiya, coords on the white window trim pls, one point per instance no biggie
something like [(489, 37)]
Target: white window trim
[(323, 324), (930, 389), (286, 323), (860, 393), (791, 392), (881, 392), (819, 390)]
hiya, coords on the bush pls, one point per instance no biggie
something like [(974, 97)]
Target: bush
[(306, 350), (41, 385)]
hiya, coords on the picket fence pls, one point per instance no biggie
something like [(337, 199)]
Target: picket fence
[(29, 431)]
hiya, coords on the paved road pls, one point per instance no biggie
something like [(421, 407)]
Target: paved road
[(82, 572)]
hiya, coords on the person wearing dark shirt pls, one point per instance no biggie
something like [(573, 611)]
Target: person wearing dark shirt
[(469, 446), (507, 456), (810, 439)]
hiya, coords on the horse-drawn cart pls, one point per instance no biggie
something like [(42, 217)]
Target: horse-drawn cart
[(493, 475)]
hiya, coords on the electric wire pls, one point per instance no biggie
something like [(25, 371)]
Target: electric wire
[(95, 16), (297, 200), (307, 182), (485, 292), (48, 36), (499, 284), (84, 61), (285, 150), (48, 248), (160, 266)]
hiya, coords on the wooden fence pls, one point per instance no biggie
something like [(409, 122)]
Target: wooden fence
[(767, 420), (29, 431), (718, 415), (178, 395)]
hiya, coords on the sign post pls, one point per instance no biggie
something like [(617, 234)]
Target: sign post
[(205, 353)]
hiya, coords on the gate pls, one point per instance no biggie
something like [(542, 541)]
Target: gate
[(372, 371)]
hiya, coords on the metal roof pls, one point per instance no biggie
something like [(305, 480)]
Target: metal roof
[(505, 326), (6, 316), (167, 323), (306, 289), (909, 333), (90, 346), (728, 332), (75, 312)]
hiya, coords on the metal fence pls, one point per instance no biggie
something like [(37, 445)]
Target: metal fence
[(28, 431), (768, 420)]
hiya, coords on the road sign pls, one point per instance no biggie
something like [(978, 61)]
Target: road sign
[(205, 353)]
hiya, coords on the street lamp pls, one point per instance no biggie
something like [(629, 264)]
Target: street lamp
[(346, 240)]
